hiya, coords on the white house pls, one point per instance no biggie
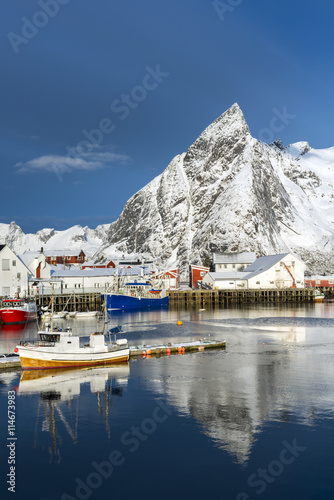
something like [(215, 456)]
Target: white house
[(14, 274), (271, 271), (226, 281), (276, 271), (37, 264), (232, 262)]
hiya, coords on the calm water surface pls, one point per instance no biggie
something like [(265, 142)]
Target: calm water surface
[(252, 422)]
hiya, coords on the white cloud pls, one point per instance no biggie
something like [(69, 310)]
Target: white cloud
[(89, 161)]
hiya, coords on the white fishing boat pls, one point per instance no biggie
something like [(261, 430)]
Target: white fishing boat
[(61, 349), (57, 348), (319, 296), (57, 315), (83, 314)]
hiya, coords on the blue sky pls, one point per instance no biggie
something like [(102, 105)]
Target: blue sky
[(98, 96)]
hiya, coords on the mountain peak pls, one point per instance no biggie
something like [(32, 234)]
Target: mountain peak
[(225, 137), (228, 123)]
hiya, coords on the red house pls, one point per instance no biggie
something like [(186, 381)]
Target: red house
[(92, 265), (320, 281), (64, 257), (196, 273)]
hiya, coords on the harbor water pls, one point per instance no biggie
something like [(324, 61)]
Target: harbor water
[(254, 421)]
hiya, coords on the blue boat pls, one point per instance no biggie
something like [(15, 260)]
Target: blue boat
[(135, 295)]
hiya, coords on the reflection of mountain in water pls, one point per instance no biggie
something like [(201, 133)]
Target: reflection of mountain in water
[(232, 395), (59, 391)]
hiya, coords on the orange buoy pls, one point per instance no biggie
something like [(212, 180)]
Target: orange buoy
[(148, 352), (168, 352), (179, 323), (179, 350)]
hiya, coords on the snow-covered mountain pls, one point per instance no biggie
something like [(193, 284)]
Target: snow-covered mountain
[(232, 192), (74, 238), (228, 192)]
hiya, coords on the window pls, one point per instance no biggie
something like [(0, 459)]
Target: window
[(13, 263), (272, 282), (257, 282), (330, 282), (233, 265), (202, 274), (5, 264), (225, 266), (317, 282), (18, 276)]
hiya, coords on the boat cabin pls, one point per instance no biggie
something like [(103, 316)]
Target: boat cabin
[(11, 303)]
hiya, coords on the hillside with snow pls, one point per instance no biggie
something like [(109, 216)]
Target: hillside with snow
[(74, 238), (229, 192)]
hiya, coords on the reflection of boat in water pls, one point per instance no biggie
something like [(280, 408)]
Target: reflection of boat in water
[(66, 383), (13, 327), (59, 390)]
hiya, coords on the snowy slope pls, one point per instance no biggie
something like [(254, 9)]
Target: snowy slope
[(74, 238)]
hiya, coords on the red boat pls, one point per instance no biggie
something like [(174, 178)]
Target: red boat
[(17, 311)]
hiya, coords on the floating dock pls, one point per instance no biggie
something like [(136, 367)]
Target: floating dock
[(9, 362), (180, 348)]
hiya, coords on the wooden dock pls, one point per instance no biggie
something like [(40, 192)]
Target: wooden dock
[(203, 298), (72, 302), (180, 348)]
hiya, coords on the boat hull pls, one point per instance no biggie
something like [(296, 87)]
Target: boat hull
[(17, 316), (126, 302), (44, 361)]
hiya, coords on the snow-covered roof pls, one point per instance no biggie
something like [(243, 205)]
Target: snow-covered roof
[(28, 257), (62, 253), (319, 277), (77, 273), (234, 258), (228, 276), (263, 264)]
